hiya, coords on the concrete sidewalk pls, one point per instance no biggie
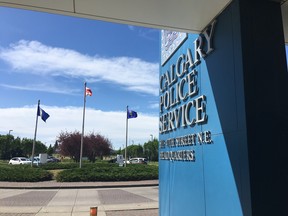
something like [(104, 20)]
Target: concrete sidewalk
[(133, 198)]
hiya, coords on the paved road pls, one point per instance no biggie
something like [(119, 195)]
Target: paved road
[(123, 201)]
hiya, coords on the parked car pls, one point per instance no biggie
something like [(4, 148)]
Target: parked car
[(19, 160), (51, 159), (113, 160), (36, 160), (137, 161)]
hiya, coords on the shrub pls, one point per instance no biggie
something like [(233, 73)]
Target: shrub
[(23, 173), (53, 166), (109, 172), (100, 171)]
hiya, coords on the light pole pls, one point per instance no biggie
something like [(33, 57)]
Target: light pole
[(9, 132)]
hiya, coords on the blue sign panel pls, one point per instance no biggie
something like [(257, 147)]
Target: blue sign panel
[(201, 128)]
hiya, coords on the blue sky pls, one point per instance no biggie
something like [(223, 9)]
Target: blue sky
[(48, 57)]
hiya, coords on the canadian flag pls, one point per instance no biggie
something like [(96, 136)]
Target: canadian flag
[(88, 91)]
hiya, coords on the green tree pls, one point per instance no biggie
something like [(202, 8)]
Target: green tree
[(5, 146), (27, 145), (11, 147), (134, 151), (16, 148), (56, 147), (151, 150), (50, 150), (119, 151)]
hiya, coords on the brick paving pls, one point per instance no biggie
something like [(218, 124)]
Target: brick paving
[(144, 212), (38, 199), (32, 198), (118, 196)]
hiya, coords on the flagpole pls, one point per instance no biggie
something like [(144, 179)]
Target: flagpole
[(82, 135), (126, 136), (33, 148)]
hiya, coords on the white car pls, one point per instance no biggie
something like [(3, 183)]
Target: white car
[(36, 160), (19, 160)]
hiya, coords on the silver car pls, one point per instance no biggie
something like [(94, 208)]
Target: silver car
[(138, 161)]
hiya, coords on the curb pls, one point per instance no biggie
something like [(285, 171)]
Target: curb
[(76, 185)]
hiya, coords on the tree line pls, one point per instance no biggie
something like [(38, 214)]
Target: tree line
[(68, 145), (149, 150), (17, 147)]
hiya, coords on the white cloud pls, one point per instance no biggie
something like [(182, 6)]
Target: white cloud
[(45, 88), (109, 124), (38, 59), (154, 105)]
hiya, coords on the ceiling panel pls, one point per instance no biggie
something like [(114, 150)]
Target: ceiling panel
[(181, 15), (41, 5)]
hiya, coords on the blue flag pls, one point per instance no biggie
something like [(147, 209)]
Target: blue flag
[(44, 116), (131, 114)]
